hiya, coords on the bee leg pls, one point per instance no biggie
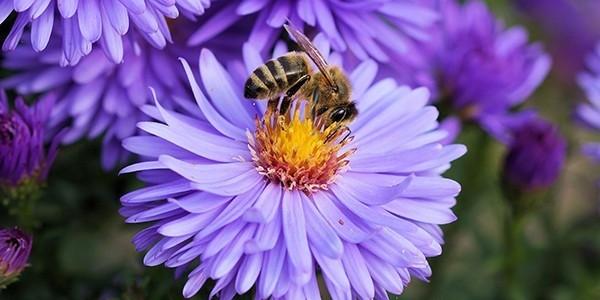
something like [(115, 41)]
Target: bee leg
[(291, 91), (272, 104), (348, 133), (315, 99)]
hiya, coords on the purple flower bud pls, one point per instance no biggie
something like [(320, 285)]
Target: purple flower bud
[(15, 246), (536, 155), (22, 136)]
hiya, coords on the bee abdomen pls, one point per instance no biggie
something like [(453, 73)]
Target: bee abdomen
[(275, 76)]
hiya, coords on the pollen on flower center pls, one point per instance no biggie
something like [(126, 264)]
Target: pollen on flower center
[(293, 150)]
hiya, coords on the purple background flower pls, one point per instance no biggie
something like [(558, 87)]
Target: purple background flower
[(83, 23), (474, 64), (570, 27), (22, 137), (367, 29), (536, 154), (589, 113), (15, 246)]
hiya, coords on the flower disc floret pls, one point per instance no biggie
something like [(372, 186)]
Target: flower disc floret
[(292, 150)]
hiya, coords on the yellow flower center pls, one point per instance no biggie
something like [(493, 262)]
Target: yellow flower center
[(293, 150)]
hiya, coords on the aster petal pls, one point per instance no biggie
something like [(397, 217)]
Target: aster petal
[(266, 236), (283, 282), (213, 151), (22, 5), (271, 268), (362, 77), (195, 281), (371, 194), (6, 8), (320, 234), (222, 238), (248, 274), (294, 231), (220, 87), (200, 202), (383, 273), (41, 28), (135, 6), (151, 146), (423, 210), (157, 192), (251, 6), (236, 207), (215, 25), (220, 123), (333, 269), (111, 40), (266, 206), (230, 256), (341, 223), (188, 224), (117, 15), (156, 213), (408, 161), (14, 36), (431, 187), (90, 20), (231, 187), (181, 125), (358, 274)]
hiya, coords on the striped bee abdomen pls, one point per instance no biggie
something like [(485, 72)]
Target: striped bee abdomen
[(275, 76)]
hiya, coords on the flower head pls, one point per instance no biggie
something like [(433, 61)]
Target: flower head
[(589, 113), (474, 64), (570, 28), (368, 29), (98, 96), (536, 155), (249, 197), (15, 246), (83, 23), (22, 136)]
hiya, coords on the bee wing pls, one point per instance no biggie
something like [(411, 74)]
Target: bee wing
[(310, 49)]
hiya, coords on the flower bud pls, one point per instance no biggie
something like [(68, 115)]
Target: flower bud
[(15, 246), (535, 156)]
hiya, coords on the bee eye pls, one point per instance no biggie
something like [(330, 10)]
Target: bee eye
[(339, 114)]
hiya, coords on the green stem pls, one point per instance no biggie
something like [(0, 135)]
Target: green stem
[(513, 230)]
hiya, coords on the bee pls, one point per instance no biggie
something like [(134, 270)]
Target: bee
[(328, 90)]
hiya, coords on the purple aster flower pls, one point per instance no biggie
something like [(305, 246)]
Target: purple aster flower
[(250, 198), (98, 96), (83, 23), (589, 113), (22, 136), (367, 29), (571, 28), (474, 64), (536, 155), (15, 246)]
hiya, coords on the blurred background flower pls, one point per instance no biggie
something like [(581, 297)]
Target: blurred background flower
[(589, 113), (371, 29), (476, 67), (15, 246), (80, 24), (100, 98), (22, 136), (570, 29), (536, 155)]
